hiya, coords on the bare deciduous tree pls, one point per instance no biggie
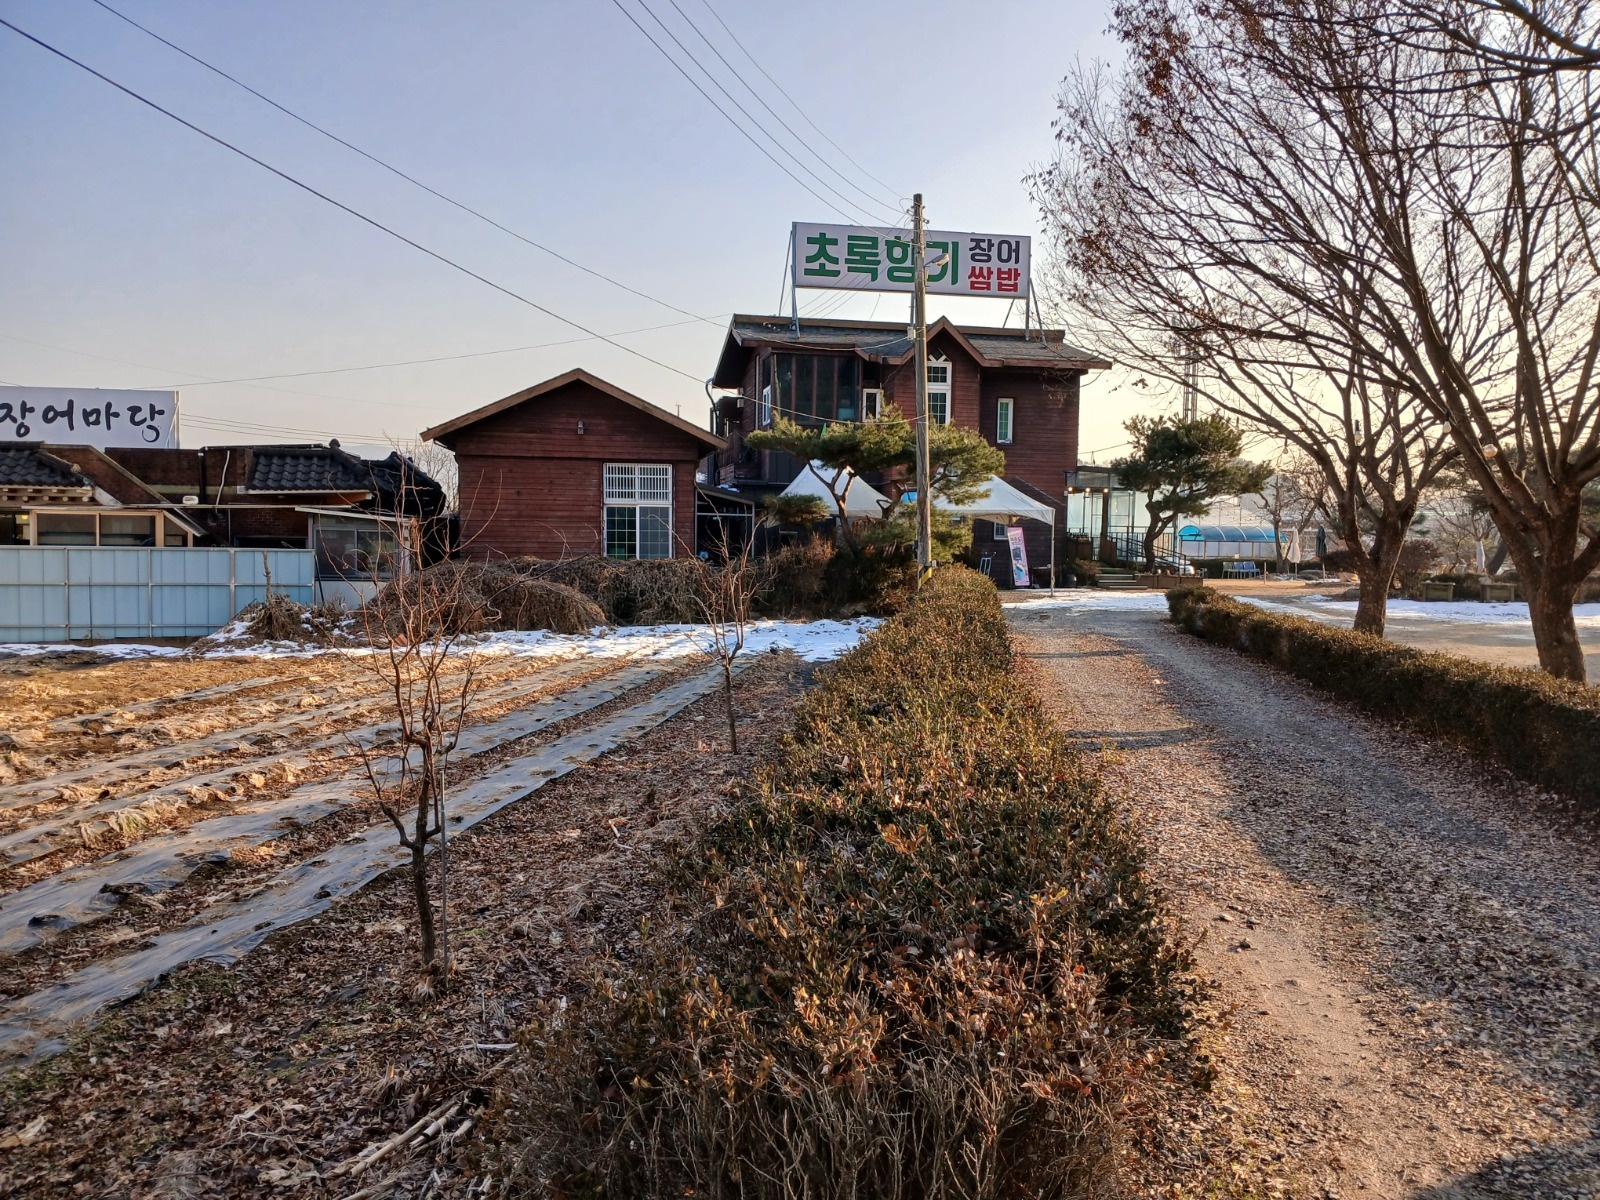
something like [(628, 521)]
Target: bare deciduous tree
[(1339, 200), (413, 634), (1296, 496), (726, 598)]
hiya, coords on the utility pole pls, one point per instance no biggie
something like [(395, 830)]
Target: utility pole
[(919, 318)]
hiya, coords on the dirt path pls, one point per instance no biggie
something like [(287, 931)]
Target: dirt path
[(1406, 945)]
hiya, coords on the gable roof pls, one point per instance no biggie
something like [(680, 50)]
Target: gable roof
[(891, 342), (576, 375)]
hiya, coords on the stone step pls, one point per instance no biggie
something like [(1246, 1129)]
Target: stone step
[(1119, 581)]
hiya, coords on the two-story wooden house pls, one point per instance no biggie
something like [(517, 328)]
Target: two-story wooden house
[(1019, 389)]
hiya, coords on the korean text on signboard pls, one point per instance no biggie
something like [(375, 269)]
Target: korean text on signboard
[(861, 258), (98, 417)]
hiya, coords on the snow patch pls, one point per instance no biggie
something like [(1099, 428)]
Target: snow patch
[(1096, 599), (813, 641), (106, 650), (1449, 612)]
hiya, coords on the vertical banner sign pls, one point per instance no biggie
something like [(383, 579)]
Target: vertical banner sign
[(100, 417), (1019, 557), (865, 259)]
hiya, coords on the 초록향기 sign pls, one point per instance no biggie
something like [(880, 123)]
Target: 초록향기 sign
[(100, 417), (861, 258)]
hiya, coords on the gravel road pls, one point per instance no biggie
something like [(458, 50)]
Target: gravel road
[(1405, 942)]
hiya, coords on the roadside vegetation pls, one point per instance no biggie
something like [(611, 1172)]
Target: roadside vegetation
[(1544, 730), (917, 956)]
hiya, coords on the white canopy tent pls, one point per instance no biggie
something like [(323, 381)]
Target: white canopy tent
[(1003, 503), (861, 499)]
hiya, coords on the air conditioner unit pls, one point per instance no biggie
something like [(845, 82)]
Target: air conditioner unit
[(871, 403)]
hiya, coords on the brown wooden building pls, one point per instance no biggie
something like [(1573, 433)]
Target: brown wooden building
[(576, 465), (1020, 390)]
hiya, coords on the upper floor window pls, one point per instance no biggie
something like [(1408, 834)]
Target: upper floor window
[(939, 377), (1003, 416), (814, 389)]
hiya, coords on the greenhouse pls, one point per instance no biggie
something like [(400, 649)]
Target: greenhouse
[(1227, 541)]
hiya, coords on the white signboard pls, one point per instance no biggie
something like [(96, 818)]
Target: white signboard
[(98, 417), (862, 258), (1020, 575)]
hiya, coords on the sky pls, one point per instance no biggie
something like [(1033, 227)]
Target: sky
[(137, 253)]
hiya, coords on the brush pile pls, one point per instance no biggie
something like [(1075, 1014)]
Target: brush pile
[(455, 598), (660, 591)]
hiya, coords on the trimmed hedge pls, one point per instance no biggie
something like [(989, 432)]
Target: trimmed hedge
[(1544, 730), (919, 958)]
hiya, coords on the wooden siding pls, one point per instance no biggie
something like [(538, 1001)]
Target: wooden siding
[(531, 484), (1044, 425)]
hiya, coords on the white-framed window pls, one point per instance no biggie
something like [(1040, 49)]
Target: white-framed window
[(638, 510), (119, 528), (939, 377), (1004, 409), (871, 403), (764, 413)]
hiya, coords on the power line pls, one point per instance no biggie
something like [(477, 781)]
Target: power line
[(861, 213), (394, 170), (727, 116), (198, 380), (360, 216), (770, 136), (791, 99), (874, 200), (249, 428), (413, 362)]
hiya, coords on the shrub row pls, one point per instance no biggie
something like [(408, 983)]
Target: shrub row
[(1545, 730), (919, 957)]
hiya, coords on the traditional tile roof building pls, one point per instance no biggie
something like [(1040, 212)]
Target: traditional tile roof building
[(263, 497)]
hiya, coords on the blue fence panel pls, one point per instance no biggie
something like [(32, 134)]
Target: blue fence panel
[(54, 594)]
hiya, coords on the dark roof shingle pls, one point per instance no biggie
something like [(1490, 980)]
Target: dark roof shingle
[(307, 469), (30, 466)]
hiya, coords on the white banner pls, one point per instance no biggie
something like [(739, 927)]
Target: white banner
[(98, 417), (861, 258)]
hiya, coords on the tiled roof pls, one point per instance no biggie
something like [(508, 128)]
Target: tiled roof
[(29, 466), (892, 342), (889, 341), (1021, 349), (307, 469)]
